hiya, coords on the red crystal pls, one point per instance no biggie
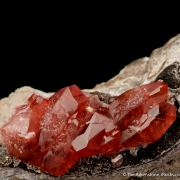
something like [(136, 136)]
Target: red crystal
[(53, 134)]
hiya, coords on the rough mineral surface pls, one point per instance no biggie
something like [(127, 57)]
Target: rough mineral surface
[(161, 157)]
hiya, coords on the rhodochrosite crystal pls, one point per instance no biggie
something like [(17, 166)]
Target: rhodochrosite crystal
[(53, 134)]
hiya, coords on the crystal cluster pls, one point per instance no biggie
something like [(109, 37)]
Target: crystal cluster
[(53, 134)]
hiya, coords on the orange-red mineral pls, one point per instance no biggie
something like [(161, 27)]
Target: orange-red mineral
[(53, 134)]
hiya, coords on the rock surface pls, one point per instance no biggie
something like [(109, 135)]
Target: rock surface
[(167, 164)]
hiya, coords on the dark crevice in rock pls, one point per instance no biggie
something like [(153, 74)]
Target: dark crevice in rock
[(171, 75), (106, 98), (134, 178)]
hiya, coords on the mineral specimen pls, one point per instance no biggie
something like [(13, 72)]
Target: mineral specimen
[(53, 134)]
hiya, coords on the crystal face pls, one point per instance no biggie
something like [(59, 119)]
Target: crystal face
[(53, 134)]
